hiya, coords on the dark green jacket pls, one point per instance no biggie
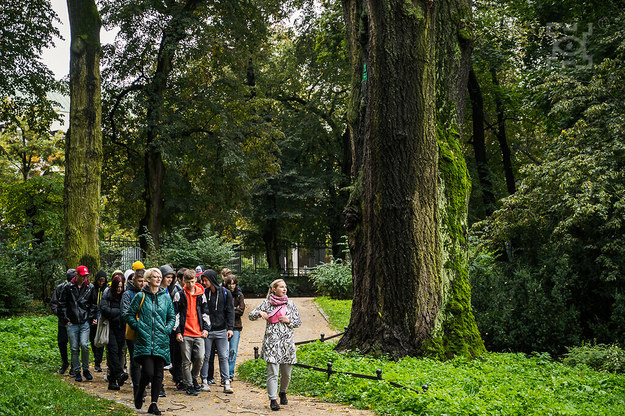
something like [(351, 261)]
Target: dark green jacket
[(156, 321)]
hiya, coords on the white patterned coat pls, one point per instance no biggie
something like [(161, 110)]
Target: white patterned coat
[(278, 343)]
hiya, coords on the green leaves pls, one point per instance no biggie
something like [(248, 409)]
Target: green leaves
[(504, 384)]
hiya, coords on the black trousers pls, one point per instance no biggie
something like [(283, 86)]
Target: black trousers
[(176, 359), (151, 371), (135, 366), (62, 340), (97, 352), (114, 351)]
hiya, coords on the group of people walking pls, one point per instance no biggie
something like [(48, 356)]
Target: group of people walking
[(166, 319)]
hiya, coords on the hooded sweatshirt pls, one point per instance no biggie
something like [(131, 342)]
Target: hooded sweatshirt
[(191, 312), (129, 293), (220, 304)]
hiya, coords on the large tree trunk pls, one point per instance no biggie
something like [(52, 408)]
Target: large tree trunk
[(479, 143), (83, 146), (404, 227)]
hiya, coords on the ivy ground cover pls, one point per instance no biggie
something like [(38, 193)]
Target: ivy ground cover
[(29, 359)]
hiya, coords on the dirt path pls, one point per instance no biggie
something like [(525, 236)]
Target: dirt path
[(247, 399)]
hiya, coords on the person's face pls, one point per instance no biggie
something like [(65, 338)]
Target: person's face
[(232, 285), (280, 289), (167, 280), (81, 278), (139, 282), (101, 281), (205, 282), (119, 289), (189, 283), (155, 279)]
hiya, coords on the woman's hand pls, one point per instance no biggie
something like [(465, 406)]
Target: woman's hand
[(284, 319), (264, 315)]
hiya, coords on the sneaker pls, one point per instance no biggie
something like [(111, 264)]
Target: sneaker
[(87, 375), (205, 387), (78, 376), (122, 379), (227, 388), (153, 409), (211, 382), (283, 399), (97, 368), (180, 386), (196, 386), (113, 385), (162, 393), (72, 373), (274, 405), (63, 368), (191, 391)]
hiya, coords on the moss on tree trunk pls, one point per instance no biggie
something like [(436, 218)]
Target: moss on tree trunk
[(83, 145), (406, 216)]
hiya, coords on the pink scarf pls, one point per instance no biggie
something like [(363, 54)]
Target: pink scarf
[(278, 300), (274, 316)]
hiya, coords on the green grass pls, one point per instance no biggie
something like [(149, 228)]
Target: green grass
[(338, 311), (495, 384), (29, 359)]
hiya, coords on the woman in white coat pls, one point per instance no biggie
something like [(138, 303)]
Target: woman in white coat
[(278, 348)]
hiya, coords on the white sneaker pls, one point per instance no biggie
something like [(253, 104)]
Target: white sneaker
[(205, 386), (227, 388)]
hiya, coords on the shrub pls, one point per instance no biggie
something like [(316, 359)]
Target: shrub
[(181, 250), (334, 279), (256, 282), (601, 357)]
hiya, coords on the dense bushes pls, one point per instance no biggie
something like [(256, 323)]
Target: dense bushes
[(334, 279), (601, 357), (183, 249)]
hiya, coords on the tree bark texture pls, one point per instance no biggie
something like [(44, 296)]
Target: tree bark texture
[(397, 216), (83, 145)]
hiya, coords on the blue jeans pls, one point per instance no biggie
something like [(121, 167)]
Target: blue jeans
[(234, 349), (220, 338), (78, 335)]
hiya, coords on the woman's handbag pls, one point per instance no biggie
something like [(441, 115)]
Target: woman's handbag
[(131, 334), (102, 333)]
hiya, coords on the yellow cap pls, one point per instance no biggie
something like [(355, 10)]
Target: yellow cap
[(137, 265)]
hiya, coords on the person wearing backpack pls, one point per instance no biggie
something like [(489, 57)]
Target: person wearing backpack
[(221, 313), (61, 337)]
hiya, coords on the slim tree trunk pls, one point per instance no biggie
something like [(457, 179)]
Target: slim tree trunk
[(502, 137), (83, 145), (154, 165), (479, 143), (406, 297)]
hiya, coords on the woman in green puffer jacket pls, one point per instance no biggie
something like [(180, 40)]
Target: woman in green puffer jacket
[(156, 315)]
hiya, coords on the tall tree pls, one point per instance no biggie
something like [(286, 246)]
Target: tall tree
[(407, 212), (83, 145)]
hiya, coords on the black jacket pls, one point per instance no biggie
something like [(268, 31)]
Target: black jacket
[(76, 306), (55, 302), (201, 306), (111, 309), (220, 304)]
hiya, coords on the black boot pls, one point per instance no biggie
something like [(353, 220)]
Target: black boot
[(153, 409), (283, 399), (138, 398), (274, 405), (113, 385)]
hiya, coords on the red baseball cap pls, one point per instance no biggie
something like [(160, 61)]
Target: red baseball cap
[(82, 270)]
